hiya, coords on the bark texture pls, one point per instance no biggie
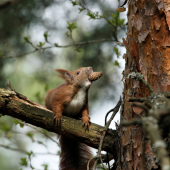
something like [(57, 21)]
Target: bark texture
[(20, 107), (148, 52)]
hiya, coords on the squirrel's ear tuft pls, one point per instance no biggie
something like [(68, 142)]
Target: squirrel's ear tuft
[(66, 75)]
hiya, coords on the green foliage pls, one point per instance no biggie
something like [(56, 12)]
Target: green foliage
[(116, 19), (81, 9), (93, 15), (116, 63), (15, 121), (23, 162), (21, 125), (4, 126), (116, 50), (56, 44), (41, 143), (75, 3), (46, 35), (45, 166), (71, 26), (40, 44), (30, 135), (30, 154), (26, 39)]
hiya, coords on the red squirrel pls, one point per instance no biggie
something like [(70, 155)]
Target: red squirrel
[(71, 99)]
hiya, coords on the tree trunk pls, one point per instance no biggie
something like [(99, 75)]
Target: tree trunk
[(148, 52)]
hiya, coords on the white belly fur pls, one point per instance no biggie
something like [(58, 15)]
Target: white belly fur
[(76, 104)]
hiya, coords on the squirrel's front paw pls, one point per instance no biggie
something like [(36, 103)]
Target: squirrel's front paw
[(58, 120), (86, 122)]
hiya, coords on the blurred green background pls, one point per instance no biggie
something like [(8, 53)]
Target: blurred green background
[(26, 25)]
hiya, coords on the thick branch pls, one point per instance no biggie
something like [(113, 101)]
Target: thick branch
[(19, 107)]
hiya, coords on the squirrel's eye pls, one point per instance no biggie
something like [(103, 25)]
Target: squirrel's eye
[(78, 72)]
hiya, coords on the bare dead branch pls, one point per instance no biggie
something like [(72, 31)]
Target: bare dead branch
[(38, 115)]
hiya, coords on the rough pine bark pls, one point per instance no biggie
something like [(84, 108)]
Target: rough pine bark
[(148, 52)]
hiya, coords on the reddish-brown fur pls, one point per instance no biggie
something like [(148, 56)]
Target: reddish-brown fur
[(71, 99)]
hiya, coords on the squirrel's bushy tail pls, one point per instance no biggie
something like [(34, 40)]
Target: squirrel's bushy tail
[(74, 155)]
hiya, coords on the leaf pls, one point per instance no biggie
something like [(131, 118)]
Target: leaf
[(46, 35), (23, 162), (26, 39), (30, 154), (41, 143), (120, 22), (21, 125), (77, 49), (76, 3), (30, 135), (56, 44), (5, 127), (40, 44), (81, 9), (93, 15), (116, 50), (15, 121), (116, 63), (103, 15), (71, 26), (45, 166)]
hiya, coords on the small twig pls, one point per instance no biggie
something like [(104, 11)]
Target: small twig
[(124, 3), (107, 115), (25, 152), (131, 122), (102, 163), (88, 164), (115, 110), (63, 46), (38, 131), (134, 99), (36, 48), (99, 16), (139, 77), (166, 94)]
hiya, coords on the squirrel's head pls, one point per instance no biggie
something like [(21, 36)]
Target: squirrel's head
[(79, 77)]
